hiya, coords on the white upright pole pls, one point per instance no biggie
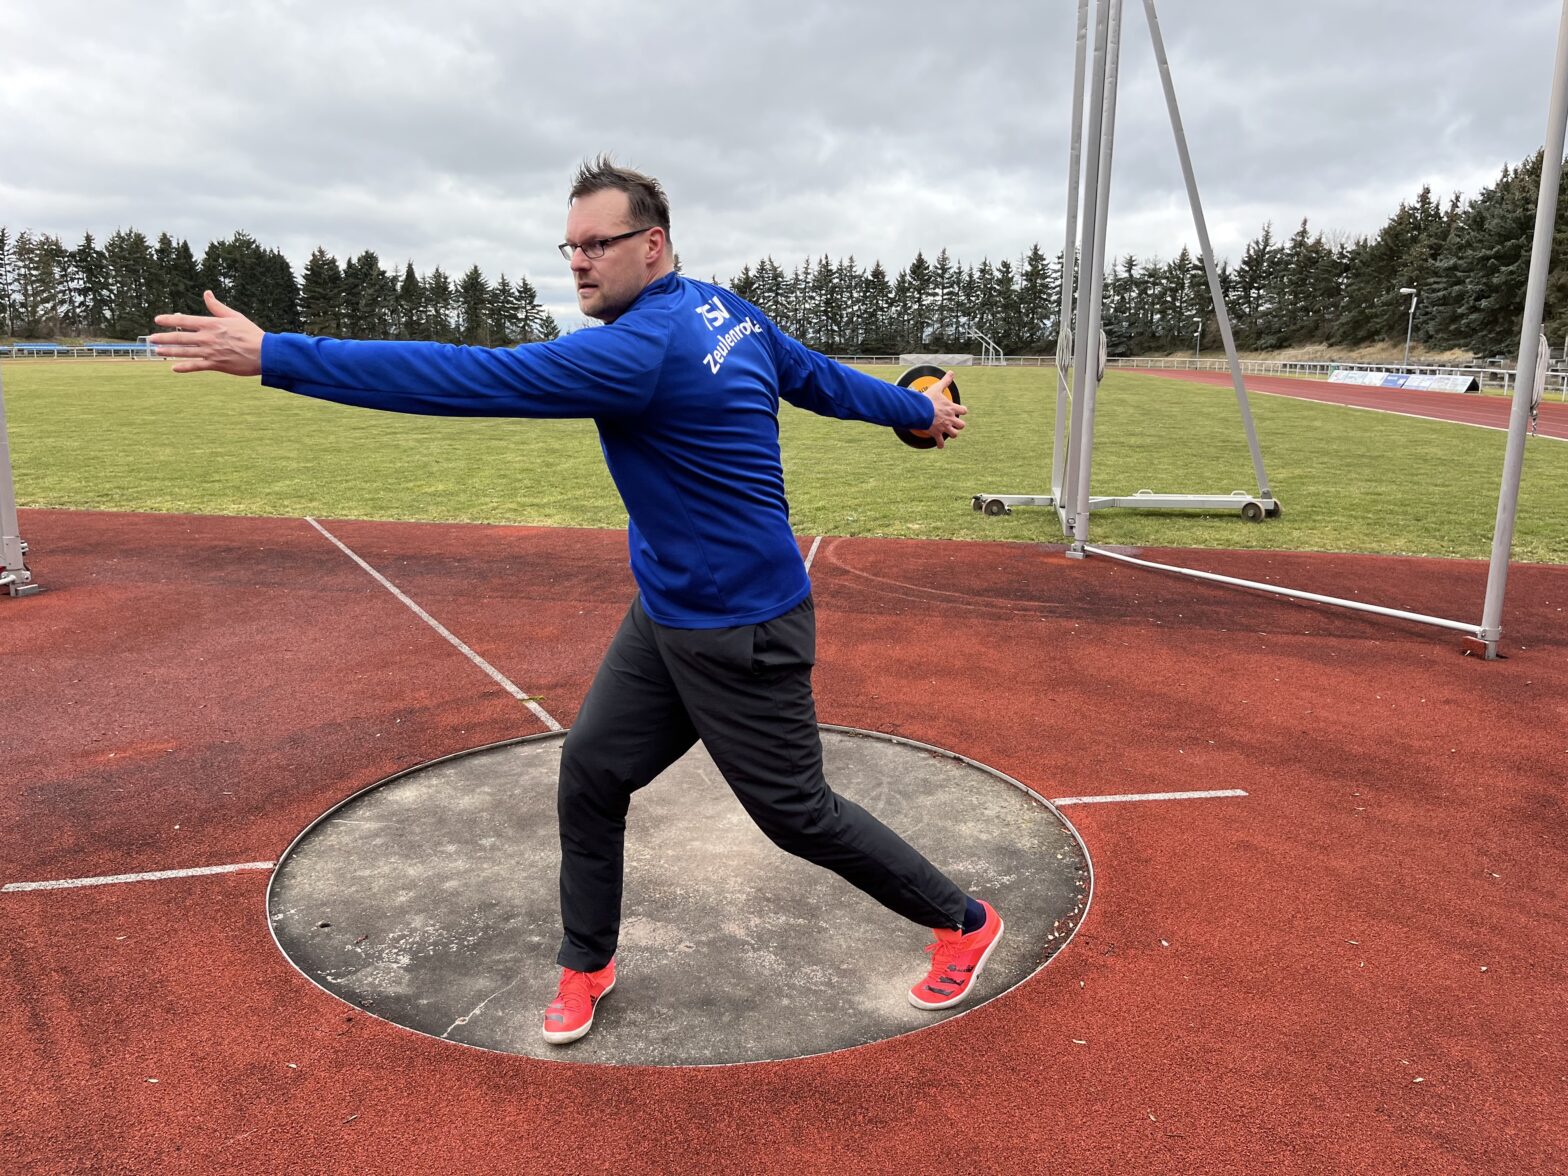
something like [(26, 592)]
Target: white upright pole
[(14, 576), (1088, 344), (1201, 225), (1529, 345), (1085, 355), (1064, 356)]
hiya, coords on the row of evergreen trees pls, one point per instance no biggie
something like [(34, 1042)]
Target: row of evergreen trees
[(841, 308), (1469, 261), (49, 291)]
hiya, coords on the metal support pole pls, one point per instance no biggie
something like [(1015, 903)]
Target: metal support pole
[(1290, 593), (1086, 357), (1082, 361), (14, 576), (1069, 262), (1208, 251), (1529, 345)]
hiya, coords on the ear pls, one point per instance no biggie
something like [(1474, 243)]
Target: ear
[(658, 245)]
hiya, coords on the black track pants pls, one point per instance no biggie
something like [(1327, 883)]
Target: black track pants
[(746, 693)]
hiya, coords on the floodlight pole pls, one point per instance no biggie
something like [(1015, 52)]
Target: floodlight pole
[(14, 576), (1409, 326), (1529, 345)]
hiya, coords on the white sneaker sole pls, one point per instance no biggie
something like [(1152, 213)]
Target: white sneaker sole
[(572, 1035), (974, 977)]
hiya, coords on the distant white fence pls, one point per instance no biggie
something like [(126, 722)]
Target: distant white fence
[(945, 359), (1486, 377), (85, 351)]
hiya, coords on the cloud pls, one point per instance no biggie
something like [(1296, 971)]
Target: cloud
[(446, 134)]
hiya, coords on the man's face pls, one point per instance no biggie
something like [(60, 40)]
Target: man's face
[(607, 285)]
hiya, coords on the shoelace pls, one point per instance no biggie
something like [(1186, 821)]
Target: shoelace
[(574, 994), (943, 952)]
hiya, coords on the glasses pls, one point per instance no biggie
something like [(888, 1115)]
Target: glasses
[(594, 249)]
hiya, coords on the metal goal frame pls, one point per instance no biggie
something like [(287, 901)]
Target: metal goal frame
[(1072, 453)]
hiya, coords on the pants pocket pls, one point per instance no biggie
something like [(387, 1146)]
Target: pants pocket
[(785, 643)]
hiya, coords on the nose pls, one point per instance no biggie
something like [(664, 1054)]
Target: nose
[(580, 262)]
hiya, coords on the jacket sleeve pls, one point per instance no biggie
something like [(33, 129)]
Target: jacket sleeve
[(810, 380), (598, 372)]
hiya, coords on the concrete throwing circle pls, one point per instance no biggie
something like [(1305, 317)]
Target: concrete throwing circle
[(430, 900)]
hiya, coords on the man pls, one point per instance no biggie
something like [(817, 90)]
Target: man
[(684, 383)]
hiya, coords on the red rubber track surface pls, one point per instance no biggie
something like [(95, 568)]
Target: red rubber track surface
[(1259, 984), (1487, 411)]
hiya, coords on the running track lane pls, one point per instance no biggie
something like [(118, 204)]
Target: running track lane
[(1258, 986), (1488, 412)]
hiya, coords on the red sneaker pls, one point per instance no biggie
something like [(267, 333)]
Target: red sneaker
[(956, 960), (570, 1014)]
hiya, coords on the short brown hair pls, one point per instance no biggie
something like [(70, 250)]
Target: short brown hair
[(646, 202)]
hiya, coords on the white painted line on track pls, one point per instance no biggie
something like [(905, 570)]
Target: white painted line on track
[(812, 554), (501, 679), (1419, 416), (113, 879), (1137, 796)]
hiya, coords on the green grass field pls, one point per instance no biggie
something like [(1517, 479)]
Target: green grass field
[(107, 435)]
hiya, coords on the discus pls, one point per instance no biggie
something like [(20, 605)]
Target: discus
[(918, 379)]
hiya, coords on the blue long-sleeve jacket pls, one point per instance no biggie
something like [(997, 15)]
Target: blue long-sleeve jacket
[(684, 388)]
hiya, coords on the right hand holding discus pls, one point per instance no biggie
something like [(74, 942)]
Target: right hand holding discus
[(939, 387), (949, 415)]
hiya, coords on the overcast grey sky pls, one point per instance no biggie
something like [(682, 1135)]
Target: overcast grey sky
[(446, 133)]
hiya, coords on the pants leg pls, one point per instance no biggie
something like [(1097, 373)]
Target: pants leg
[(748, 692), (631, 727)]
